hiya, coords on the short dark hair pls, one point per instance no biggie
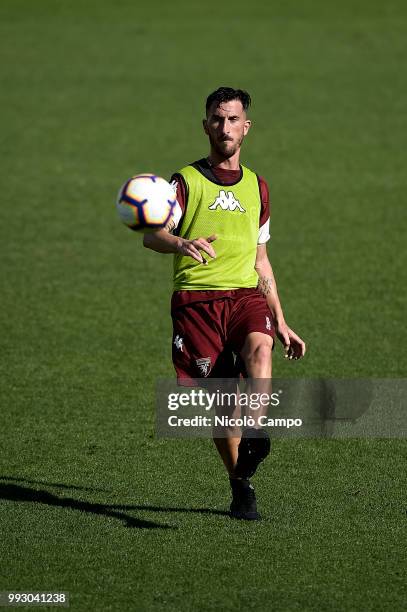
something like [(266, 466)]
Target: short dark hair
[(226, 94)]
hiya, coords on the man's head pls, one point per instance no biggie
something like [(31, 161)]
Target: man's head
[(226, 122)]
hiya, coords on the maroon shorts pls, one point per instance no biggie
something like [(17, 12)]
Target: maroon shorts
[(209, 334)]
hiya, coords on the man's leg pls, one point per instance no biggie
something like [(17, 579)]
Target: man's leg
[(228, 449), (227, 438), (255, 443), (256, 355), (241, 456)]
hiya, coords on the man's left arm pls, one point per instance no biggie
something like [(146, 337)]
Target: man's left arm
[(293, 345)]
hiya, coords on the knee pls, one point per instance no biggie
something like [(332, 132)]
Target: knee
[(258, 354)]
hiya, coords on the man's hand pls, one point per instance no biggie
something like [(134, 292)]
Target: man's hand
[(191, 248), (294, 347)]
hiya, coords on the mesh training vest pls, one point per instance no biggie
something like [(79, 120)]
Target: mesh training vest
[(231, 212)]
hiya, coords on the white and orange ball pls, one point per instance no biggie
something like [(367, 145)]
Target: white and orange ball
[(146, 202)]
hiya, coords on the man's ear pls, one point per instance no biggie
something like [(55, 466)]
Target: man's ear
[(246, 126), (205, 125)]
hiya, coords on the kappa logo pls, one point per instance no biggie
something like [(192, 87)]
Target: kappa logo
[(204, 365), (226, 201), (268, 323), (179, 342)]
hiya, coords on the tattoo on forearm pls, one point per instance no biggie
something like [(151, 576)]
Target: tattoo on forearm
[(264, 285)]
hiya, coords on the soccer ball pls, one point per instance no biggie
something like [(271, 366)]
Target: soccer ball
[(146, 202)]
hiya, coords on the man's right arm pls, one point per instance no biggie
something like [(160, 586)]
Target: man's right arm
[(163, 241)]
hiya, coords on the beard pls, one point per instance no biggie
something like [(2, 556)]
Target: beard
[(225, 148)]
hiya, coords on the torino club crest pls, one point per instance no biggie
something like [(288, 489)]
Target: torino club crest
[(204, 365)]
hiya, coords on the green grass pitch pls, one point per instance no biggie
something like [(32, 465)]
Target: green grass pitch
[(90, 501)]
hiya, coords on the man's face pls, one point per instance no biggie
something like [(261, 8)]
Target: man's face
[(226, 125)]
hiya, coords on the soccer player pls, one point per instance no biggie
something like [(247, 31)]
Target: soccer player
[(225, 306)]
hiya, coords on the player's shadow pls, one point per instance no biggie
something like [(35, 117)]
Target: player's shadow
[(59, 485), (20, 493)]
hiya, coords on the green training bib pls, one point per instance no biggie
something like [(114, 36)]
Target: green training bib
[(231, 212)]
